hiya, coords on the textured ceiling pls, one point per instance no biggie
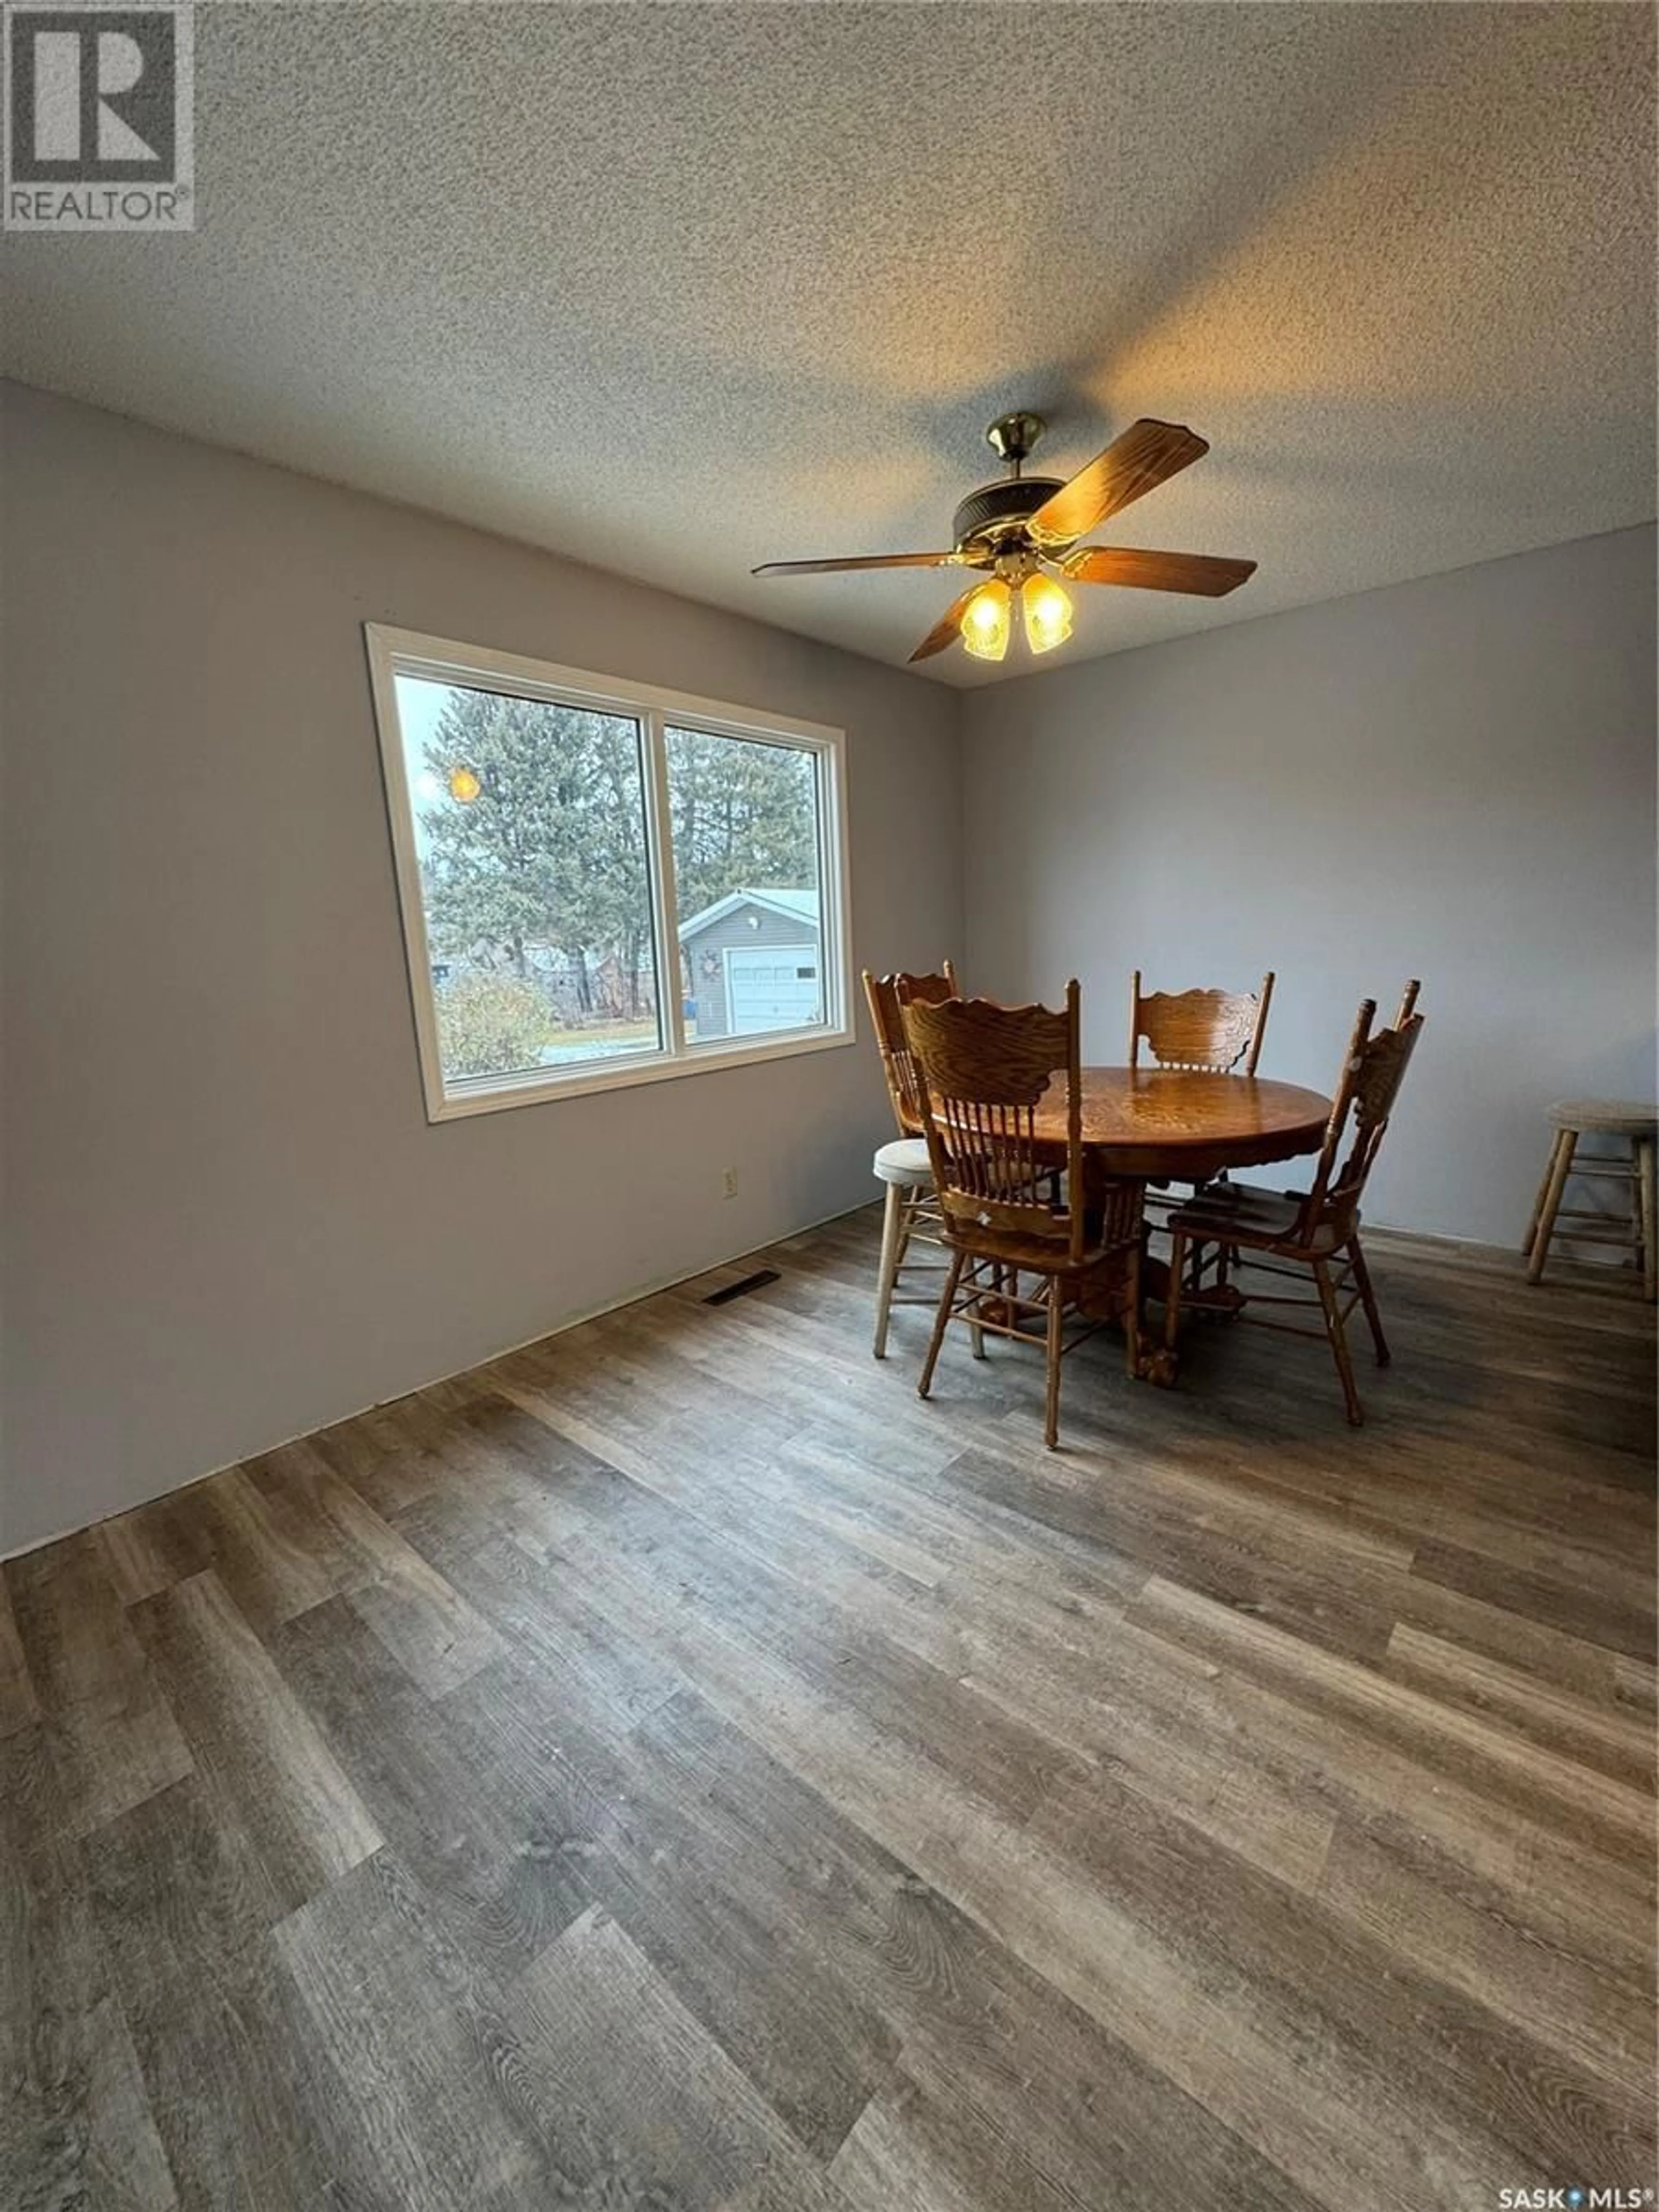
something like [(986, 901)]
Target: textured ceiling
[(679, 289)]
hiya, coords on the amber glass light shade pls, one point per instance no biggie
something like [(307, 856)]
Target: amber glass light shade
[(1048, 612), (986, 620)]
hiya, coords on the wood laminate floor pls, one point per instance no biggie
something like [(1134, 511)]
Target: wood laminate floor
[(674, 1769)]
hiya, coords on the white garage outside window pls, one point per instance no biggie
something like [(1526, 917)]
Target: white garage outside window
[(603, 883), (777, 989)]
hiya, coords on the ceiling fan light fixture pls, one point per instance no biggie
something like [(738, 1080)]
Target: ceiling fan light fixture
[(986, 620), (1021, 526), (1048, 611)]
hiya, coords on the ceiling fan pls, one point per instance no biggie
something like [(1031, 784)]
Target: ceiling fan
[(1020, 527)]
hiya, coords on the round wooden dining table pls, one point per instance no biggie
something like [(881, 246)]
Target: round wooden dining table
[(1179, 1125), (1174, 1124)]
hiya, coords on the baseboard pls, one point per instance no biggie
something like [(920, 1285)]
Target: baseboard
[(1469, 1246), (631, 1297)]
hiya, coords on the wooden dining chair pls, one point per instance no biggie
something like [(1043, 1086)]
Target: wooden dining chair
[(1315, 1230), (1203, 1033), (1023, 1262), (903, 1166), (1206, 1031)]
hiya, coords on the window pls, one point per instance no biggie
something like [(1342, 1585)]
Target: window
[(604, 884)]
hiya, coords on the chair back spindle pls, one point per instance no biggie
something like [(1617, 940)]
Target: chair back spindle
[(1201, 1031), (1372, 1073), (983, 1070), (887, 1019)]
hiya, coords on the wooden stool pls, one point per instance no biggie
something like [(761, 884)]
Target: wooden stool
[(1573, 1118)]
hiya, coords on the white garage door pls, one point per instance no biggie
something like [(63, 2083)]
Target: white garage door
[(772, 986)]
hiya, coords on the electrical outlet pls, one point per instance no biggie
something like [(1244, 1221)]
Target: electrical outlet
[(729, 1183)]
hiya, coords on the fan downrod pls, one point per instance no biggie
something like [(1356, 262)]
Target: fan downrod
[(1012, 437)]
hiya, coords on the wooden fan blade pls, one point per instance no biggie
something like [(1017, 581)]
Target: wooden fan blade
[(947, 629), (1147, 454), (1203, 573), (857, 561)]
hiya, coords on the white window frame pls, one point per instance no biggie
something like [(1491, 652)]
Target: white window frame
[(393, 652)]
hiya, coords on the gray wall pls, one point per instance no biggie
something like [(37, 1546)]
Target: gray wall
[(1451, 779), (229, 1220)]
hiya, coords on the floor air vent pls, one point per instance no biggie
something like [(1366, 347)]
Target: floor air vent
[(741, 1289)]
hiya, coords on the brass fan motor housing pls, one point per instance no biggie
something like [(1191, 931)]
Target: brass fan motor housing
[(997, 512)]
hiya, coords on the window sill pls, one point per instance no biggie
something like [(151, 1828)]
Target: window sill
[(494, 1097)]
